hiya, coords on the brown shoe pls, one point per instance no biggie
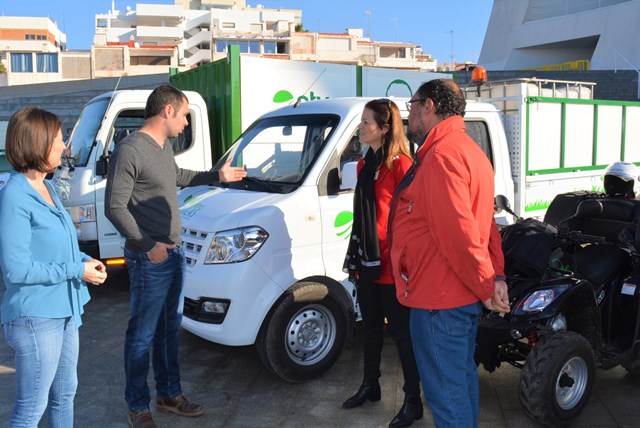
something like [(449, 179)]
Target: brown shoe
[(179, 405), (140, 419)]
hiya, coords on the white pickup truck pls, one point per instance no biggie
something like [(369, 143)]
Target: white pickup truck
[(265, 255)]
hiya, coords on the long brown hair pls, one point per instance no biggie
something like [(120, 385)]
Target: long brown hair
[(394, 142)]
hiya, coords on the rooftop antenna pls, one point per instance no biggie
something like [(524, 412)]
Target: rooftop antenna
[(368, 13), (452, 56)]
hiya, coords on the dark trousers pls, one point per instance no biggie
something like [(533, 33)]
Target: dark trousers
[(378, 301)]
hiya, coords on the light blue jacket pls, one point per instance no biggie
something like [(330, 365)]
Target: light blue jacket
[(39, 255)]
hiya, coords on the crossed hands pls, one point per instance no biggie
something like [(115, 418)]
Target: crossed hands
[(94, 272), (499, 302), (230, 173)]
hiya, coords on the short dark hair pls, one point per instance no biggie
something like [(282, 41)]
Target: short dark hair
[(446, 96), (160, 97), (30, 135)]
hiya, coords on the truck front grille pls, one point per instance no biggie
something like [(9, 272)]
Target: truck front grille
[(193, 241)]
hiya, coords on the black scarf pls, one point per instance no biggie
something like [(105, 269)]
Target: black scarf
[(363, 255)]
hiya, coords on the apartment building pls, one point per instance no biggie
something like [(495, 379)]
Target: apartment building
[(199, 31), (150, 38), (32, 50)]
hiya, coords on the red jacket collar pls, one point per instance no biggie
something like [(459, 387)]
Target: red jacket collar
[(448, 125)]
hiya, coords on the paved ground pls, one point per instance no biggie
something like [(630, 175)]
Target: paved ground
[(238, 392)]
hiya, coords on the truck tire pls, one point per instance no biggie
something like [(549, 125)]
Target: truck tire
[(557, 378), (304, 334), (632, 367)]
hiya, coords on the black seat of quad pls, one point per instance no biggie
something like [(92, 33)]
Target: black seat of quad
[(617, 214)]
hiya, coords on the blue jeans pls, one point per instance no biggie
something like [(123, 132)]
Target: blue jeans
[(46, 362), (156, 314), (444, 343)]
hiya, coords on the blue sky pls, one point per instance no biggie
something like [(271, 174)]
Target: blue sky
[(428, 23)]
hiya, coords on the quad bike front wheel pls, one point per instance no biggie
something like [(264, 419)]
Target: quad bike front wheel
[(557, 378)]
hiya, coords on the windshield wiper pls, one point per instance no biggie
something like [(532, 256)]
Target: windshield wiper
[(268, 186)]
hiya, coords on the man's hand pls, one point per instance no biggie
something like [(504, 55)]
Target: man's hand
[(230, 173), (499, 301), (159, 252)]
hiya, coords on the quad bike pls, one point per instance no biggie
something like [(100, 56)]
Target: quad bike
[(574, 294)]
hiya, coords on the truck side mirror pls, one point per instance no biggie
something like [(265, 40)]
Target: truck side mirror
[(102, 166), (349, 176)]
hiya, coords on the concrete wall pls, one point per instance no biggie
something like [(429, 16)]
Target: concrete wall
[(621, 85), (66, 99)]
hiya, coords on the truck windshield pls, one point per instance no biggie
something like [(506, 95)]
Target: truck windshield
[(84, 132), (281, 150)]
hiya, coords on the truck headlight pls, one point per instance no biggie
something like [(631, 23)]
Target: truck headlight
[(539, 300), (235, 245), (84, 219)]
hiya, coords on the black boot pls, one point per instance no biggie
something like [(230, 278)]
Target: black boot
[(369, 390), (411, 411)]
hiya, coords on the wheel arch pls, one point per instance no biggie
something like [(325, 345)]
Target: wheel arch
[(302, 295)]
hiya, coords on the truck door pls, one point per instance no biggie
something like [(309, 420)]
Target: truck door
[(336, 207)]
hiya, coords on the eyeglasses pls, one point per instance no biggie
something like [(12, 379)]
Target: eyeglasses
[(408, 103), (383, 100)]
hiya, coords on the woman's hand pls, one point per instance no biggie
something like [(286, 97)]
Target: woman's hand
[(94, 272)]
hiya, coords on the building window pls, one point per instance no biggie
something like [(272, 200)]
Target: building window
[(29, 36), (228, 25), (41, 37), (282, 48), (150, 60), (245, 47), (270, 47), (21, 63), (47, 62)]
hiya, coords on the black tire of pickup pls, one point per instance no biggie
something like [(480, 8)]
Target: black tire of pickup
[(303, 337), (557, 378)]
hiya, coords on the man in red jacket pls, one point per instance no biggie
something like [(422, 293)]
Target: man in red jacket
[(445, 251)]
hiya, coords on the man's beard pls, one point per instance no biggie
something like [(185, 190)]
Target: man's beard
[(415, 137)]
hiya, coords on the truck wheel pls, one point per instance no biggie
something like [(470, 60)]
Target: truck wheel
[(632, 367), (557, 378), (305, 334)]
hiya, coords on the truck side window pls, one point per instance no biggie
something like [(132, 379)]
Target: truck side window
[(353, 151), (478, 131), (129, 121)]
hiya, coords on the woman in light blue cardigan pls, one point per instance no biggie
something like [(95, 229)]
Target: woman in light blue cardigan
[(44, 272)]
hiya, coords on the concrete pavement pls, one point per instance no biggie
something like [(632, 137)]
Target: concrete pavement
[(237, 391)]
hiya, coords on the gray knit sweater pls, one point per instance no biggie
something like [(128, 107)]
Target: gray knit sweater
[(140, 198)]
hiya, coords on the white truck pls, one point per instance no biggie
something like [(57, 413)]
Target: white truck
[(81, 179), (265, 256)]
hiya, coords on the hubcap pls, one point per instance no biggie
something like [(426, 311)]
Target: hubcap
[(310, 335), (571, 383)]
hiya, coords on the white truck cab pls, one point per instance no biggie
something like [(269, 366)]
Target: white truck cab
[(81, 179), (265, 255)]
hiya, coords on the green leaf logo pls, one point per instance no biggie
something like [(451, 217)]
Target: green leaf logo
[(343, 224), (282, 96)]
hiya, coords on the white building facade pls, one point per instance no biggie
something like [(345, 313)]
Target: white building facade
[(30, 50), (202, 32), (563, 35)]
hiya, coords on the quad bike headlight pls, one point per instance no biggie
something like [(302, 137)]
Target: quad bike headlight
[(539, 300)]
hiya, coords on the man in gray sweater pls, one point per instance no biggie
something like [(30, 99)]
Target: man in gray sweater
[(141, 202)]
